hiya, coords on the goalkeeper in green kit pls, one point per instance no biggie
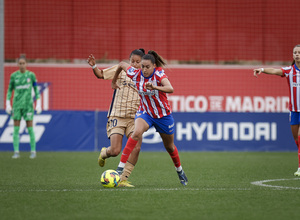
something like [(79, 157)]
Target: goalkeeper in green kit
[(22, 82)]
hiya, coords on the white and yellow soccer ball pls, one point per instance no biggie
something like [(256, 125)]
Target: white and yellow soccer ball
[(110, 178)]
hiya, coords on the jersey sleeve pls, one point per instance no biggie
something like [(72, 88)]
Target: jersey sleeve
[(161, 74), (285, 71), (131, 71), (108, 74), (34, 85), (10, 87)]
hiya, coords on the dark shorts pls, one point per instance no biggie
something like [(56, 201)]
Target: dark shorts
[(294, 118)]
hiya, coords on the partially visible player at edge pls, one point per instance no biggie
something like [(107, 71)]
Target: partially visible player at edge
[(292, 74), (154, 109), (22, 82), (124, 105)]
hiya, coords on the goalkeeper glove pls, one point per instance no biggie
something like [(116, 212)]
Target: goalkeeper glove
[(38, 106), (8, 107)]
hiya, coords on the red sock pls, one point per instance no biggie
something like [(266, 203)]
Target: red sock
[(128, 149), (175, 157)]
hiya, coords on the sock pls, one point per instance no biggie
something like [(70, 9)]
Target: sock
[(121, 164), (128, 149), (178, 169), (175, 157), (127, 171), (32, 139), (16, 139)]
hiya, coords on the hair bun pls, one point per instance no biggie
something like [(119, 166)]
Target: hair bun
[(23, 56)]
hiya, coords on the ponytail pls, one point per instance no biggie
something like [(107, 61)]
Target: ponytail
[(155, 58), (293, 63)]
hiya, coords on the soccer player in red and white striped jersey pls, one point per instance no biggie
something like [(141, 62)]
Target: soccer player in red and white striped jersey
[(156, 104), (292, 74), (154, 110)]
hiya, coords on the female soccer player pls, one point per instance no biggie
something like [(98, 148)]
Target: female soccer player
[(22, 82), (125, 103), (154, 109), (292, 74)]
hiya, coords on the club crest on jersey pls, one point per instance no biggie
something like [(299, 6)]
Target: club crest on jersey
[(131, 71), (28, 80), (160, 72)]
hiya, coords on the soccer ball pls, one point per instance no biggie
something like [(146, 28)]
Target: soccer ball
[(110, 178)]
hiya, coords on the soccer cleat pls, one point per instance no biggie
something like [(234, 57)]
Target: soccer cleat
[(125, 183), (101, 161), (182, 177), (120, 170), (16, 155), (297, 173), (32, 155)]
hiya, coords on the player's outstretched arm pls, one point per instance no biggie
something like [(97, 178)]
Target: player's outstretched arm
[(270, 71), (92, 62)]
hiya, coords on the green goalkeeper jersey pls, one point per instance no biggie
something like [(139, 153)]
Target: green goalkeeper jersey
[(22, 84)]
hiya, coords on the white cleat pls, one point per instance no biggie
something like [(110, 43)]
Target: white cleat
[(32, 155), (297, 173), (16, 155)]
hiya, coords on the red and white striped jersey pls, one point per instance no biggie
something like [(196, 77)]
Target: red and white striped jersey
[(154, 102), (292, 74)]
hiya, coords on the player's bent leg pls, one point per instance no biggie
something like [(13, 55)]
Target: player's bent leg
[(131, 162), (115, 149), (112, 151), (127, 171), (133, 158), (168, 141), (115, 145), (140, 127)]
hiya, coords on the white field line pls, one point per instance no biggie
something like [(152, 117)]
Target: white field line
[(263, 183), (123, 189), (258, 183)]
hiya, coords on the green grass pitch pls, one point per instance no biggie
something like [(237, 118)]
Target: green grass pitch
[(66, 185)]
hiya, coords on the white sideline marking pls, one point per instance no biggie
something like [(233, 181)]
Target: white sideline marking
[(262, 183), (124, 189)]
